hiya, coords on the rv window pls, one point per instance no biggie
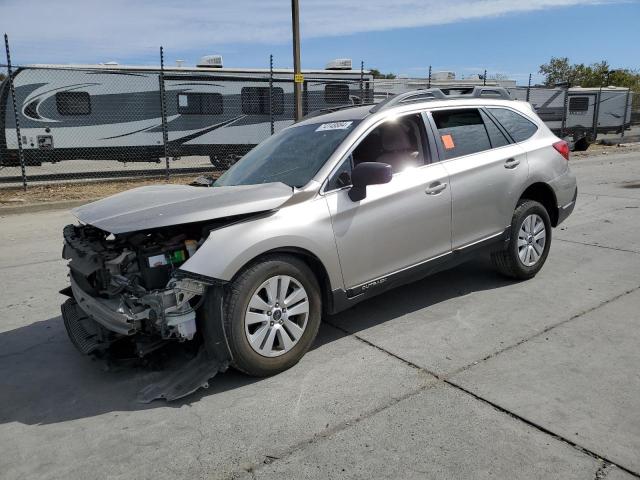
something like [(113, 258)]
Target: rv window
[(515, 124), (578, 104), (336, 93), (200, 103), (73, 103), (255, 100)]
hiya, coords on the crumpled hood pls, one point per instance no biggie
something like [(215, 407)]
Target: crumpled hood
[(165, 205)]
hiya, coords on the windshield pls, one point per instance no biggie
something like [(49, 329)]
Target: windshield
[(292, 156)]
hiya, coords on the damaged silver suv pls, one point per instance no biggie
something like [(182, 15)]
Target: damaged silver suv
[(328, 212)]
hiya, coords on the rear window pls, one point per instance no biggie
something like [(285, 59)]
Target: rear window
[(461, 132), (73, 103), (515, 124)]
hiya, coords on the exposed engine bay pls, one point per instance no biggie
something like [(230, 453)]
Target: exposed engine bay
[(130, 285), (131, 292)]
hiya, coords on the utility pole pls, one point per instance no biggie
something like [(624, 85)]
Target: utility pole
[(298, 79)]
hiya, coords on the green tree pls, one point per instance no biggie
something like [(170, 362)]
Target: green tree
[(377, 74), (597, 74), (2, 76)]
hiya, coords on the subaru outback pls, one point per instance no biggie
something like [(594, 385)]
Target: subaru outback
[(326, 213)]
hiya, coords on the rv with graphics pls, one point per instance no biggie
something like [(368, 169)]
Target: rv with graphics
[(589, 111), (111, 112)]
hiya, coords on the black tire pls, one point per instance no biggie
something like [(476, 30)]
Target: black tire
[(507, 261), (581, 145), (236, 302)]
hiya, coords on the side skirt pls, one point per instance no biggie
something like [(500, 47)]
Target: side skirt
[(343, 299)]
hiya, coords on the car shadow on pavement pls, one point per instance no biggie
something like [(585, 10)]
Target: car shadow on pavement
[(44, 380)]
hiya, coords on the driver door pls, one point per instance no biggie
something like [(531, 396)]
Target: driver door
[(397, 225)]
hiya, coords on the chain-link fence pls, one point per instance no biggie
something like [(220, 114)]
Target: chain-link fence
[(62, 123), (71, 123)]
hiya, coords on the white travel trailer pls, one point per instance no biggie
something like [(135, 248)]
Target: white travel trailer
[(589, 111), (114, 112)]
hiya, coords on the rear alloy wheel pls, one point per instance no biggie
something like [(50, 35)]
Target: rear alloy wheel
[(529, 241), (272, 313), (532, 238)]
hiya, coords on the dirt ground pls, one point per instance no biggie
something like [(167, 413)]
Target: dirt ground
[(79, 191)]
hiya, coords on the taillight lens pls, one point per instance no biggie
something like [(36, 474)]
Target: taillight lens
[(562, 148)]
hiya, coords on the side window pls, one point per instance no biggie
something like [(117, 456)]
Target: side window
[(399, 142), (578, 104), (515, 124), (73, 103), (342, 176), (255, 100), (496, 137), (336, 94), (200, 103), (461, 132)]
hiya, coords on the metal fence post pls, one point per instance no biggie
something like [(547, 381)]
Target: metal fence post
[(15, 113), (529, 88), (271, 94), (429, 80), (626, 110), (163, 113), (362, 81), (484, 77), (564, 110)]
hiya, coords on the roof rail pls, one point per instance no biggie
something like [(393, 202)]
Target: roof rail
[(429, 94), (322, 111)]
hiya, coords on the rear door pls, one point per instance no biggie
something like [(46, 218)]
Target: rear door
[(487, 171)]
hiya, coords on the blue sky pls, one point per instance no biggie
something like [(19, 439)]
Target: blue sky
[(511, 37)]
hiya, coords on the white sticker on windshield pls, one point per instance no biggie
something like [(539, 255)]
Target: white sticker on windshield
[(333, 126)]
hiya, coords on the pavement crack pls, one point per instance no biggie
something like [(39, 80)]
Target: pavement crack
[(596, 245), (200, 442), (545, 330), (606, 462), (29, 264), (609, 196), (446, 380), (330, 431)]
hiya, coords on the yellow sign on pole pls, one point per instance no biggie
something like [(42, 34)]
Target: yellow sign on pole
[(298, 78)]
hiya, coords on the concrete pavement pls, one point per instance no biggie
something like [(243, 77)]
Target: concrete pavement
[(461, 375)]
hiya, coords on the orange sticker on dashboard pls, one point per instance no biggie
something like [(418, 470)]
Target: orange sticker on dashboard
[(447, 140)]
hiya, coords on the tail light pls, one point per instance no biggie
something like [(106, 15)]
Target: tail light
[(562, 148)]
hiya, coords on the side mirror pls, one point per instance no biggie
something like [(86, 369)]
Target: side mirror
[(368, 173)]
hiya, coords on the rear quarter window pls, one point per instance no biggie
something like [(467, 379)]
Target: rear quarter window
[(515, 124)]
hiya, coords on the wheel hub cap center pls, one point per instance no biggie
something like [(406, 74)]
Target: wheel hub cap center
[(277, 315)]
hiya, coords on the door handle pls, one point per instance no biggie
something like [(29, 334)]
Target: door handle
[(511, 163), (435, 188)]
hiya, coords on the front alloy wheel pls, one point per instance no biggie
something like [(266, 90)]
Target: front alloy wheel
[(277, 315), (272, 311)]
